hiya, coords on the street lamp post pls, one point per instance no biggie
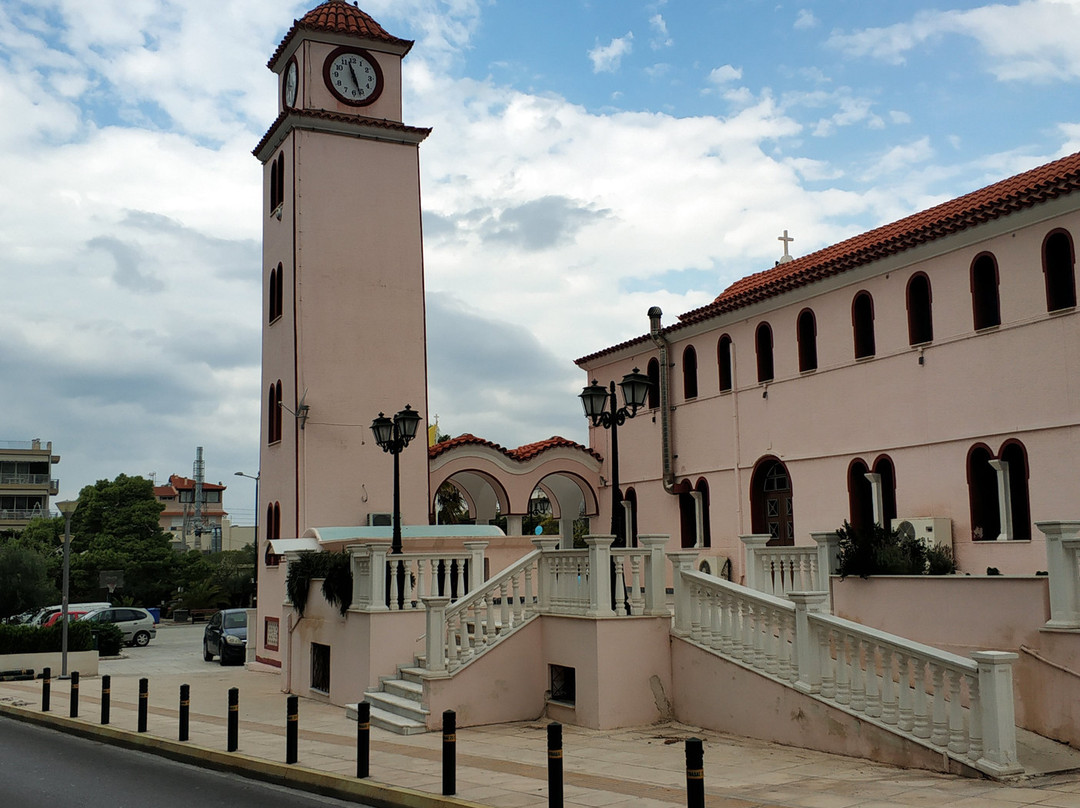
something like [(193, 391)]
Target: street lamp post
[(67, 509), (393, 435), (602, 409), (256, 478)]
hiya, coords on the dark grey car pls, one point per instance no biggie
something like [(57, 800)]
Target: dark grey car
[(225, 636)]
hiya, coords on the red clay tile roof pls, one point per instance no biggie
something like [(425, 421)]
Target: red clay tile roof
[(521, 454), (178, 482), (338, 17), (1022, 191), (316, 114)]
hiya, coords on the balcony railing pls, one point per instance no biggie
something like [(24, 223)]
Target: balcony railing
[(28, 479), (22, 514), (26, 445)]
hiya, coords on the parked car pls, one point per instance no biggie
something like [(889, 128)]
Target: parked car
[(72, 615), (225, 636), (137, 624), (42, 616)]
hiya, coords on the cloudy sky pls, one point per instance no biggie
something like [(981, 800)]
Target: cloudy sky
[(590, 159)]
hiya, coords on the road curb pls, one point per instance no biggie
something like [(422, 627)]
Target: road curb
[(291, 776)]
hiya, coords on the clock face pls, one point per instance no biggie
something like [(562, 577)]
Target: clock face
[(290, 84), (353, 75)]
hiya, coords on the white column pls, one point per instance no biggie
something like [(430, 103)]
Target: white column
[(566, 532), (600, 576), (1004, 500), (998, 716), (753, 542), (435, 644), (544, 583), (628, 521), (655, 590), (876, 498), (476, 564), (513, 525), (682, 561), (360, 566), (1061, 558), (378, 577), (828, 556), (807, 648), (699, 518)]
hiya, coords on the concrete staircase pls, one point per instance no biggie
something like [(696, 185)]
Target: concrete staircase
[(397, 706)]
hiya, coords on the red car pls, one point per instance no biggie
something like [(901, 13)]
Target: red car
[(56, 617)]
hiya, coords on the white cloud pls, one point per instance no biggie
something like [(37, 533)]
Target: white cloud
[(725, 74), (661, 38), (1033, 40), (806, 19), (607, 58)]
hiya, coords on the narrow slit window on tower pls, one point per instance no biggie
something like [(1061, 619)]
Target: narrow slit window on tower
[(807, 336), (764, 342), (723, 363), (862, 323)]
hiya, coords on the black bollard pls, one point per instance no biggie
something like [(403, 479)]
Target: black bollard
[(292, 728), (144, 702), (234, 718), (74, 712), (185, 707), (363, 739), (106, 690), (46, 688), (695, 773), (449, 752), (555, 765)]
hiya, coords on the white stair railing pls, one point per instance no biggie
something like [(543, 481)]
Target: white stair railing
[(961, 706), (386, 582), (1063, 568)]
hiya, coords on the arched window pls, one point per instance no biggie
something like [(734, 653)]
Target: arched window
[(985, 303), (862, 323), (920, 322), (764, 343), (277, 182), (272, 529), (273, 413), (806, 327), (983, 494), (276, 290), (860, 496), (687, 515), (723, 362), (653, 372), (772, 503), (883, 467), (1058, 269), (689, 379), (279, 292), (631, 529), (1014, 454)]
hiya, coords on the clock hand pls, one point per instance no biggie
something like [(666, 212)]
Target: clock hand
[(355, 78)]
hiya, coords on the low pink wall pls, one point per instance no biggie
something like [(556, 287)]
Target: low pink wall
[(961, 614), (713, 693)]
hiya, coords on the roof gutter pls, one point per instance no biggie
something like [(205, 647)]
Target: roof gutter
[(656, 333)]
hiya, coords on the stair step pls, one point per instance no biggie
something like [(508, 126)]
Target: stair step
[(412, 675), (390, 703), (404, 688), (390, 722)]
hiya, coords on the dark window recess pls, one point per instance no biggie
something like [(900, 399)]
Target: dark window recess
[(920, 320), (763, 339), (320, 667), (1058, 266), (862, 321), (563, 685), (653, 372), (689, 359), (985, 303), (807, 335), (723, 362)]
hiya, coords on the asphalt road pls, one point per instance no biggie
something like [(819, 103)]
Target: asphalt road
[(43, 768)]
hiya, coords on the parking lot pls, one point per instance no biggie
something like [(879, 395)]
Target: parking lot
[(177, 649)]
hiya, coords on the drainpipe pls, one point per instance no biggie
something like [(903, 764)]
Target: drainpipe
[(656, 332)]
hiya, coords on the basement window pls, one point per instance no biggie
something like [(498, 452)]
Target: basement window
[(563, 687), (320, 667)]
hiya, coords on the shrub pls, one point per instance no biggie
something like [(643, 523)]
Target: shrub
[(19, 639), (333, 568), (876, 551), (108, 638)]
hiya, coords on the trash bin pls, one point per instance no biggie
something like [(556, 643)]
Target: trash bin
[(155, 612), (180, 615)]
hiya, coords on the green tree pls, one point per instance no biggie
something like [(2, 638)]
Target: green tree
[(24, 580)]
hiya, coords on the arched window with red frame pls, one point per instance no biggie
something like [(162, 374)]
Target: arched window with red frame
[(985, 300), (1058, 262)]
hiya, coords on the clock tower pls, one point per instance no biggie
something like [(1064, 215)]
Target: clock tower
[(343, 279)]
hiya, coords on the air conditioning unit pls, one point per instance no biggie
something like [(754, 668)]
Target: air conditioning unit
[(380, 519), (720, 566), (932, 530)]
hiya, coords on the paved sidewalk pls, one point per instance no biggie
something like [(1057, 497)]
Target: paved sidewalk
[(505, 766)]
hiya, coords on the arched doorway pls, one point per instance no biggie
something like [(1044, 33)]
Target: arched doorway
[(771, 502)]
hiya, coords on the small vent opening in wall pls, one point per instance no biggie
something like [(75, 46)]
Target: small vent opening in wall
[(563, 688)]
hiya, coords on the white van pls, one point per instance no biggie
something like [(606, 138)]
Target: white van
[(49, 611)]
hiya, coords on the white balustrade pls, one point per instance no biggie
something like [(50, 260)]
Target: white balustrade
[(957, 704), (780, 570), (382, 581), (1063, 568)]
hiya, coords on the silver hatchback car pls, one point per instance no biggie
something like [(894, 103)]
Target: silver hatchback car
[(137, 624)]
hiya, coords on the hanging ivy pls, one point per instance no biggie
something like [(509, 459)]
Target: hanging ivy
[(335, 571)]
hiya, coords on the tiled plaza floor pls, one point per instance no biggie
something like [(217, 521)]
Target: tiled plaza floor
[(505, 766)]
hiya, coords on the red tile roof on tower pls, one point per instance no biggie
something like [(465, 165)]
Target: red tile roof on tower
[(339, 17), (1024, 190), (521, 454)]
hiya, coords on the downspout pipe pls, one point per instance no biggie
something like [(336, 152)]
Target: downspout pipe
[(656, 332)]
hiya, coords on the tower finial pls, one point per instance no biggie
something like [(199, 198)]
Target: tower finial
[(786, 257)]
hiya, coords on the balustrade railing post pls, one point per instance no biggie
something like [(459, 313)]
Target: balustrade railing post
[(601, 580), (545, 580), (807, 648), (378, 577), (435, 641), (360, 566), (997, 711), (682, 561), (1062, 573), (476, 565), (828, 557), (655, 590), (754, 542)]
